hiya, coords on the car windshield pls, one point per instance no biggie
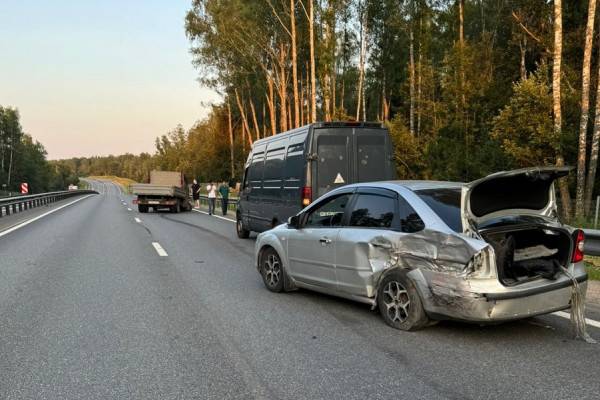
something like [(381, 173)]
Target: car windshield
[(446, 204)]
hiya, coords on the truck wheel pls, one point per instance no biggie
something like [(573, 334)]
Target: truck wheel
[(399, 302), (142, 208), (242, 232), (176, 208)]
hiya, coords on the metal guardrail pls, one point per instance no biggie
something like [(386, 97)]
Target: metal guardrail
[(231, 205), (12, 205)]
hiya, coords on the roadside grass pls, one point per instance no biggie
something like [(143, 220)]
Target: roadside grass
[(592, 265), (123, 182)]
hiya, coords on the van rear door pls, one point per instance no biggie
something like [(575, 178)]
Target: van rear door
[(348, 155), (333, 164)]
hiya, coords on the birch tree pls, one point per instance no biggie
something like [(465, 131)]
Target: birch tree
[(585, 101)]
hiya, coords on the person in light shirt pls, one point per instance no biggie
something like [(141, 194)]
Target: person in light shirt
[(211, 188)]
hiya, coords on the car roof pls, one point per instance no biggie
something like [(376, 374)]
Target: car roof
[(412, 185)]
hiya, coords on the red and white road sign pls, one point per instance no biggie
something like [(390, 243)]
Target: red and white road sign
[(24, 188)]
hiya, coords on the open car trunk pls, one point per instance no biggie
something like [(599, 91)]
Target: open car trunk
[(529, 252)]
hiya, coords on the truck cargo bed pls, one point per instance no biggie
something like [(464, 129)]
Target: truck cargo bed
[(149, 189)]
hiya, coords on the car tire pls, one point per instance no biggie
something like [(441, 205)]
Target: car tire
[(142, 209), (241, 230), (271, 270), (399, 302)]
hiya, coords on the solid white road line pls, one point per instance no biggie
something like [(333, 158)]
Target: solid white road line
[(22, 224), (161, 252), (139, 221), (566, 315), (216, 216)]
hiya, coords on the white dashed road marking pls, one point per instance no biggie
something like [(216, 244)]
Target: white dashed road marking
[(139, 221), (588, 321), (128, 209), (161, 252)]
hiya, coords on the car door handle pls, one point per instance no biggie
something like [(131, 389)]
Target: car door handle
[(325, 240)]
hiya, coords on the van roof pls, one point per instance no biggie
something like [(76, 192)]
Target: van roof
[(333, 124)]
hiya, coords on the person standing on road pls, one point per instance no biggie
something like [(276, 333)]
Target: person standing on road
[(224, 193), (196, 194), (211, 188)]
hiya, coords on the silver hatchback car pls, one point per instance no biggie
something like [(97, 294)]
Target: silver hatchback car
[(489, 250)]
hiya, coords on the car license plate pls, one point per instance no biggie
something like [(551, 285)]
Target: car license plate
[(153, 202)]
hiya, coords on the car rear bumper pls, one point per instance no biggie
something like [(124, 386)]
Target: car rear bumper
[(442, 302)]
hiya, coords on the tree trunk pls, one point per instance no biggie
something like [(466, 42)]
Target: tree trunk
[(585, 111), (523, 48), (591, 173), (244, 119), (411, 68), (461, 22), (282, 90), (313, 80), (231, 147), (271, 104), (361, 65), (556, 75), (254, 120), (294, 63), (301, 101)]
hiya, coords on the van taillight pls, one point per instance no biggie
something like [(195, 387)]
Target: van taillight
[(306, 196), (578, 248)]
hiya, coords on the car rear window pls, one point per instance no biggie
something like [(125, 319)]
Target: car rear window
[(446, 204)]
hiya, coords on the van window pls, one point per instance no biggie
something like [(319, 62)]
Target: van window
[(294, 163), (274, 164), (256, 170), (371, 157)]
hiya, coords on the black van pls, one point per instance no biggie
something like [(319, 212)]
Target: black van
[(285, 172)]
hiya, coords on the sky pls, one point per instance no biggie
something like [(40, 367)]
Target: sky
[(99, 77)]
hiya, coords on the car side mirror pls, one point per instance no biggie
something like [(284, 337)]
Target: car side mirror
[(294, 222)]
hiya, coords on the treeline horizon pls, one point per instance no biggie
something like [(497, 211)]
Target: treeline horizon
[(466, 87), (23, 160)]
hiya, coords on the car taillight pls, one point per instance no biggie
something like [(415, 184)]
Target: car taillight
[(578, 248), (306, 196)]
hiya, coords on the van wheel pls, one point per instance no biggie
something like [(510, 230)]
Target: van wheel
[(271, 270), (399, 302), (242, 232), (142, 208)]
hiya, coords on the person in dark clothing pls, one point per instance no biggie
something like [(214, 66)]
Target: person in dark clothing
[(196, 194), (224, 193)]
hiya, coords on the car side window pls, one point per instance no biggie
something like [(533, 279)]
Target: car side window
[(373, 211), (409, 219), (329, 214)]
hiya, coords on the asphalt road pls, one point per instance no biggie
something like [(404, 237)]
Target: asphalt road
[(90, 310)]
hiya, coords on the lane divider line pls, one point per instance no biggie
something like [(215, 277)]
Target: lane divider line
[(128, 209), (159, 249), (216, 216), (566, 315), (25, 223), (139, 221)]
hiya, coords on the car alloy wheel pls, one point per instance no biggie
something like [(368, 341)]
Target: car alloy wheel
[(272, 270), (396, 301)]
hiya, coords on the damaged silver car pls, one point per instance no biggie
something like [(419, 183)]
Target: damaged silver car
[(490, 250)]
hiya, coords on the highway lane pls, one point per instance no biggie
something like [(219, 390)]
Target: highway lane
[(89, 309)]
